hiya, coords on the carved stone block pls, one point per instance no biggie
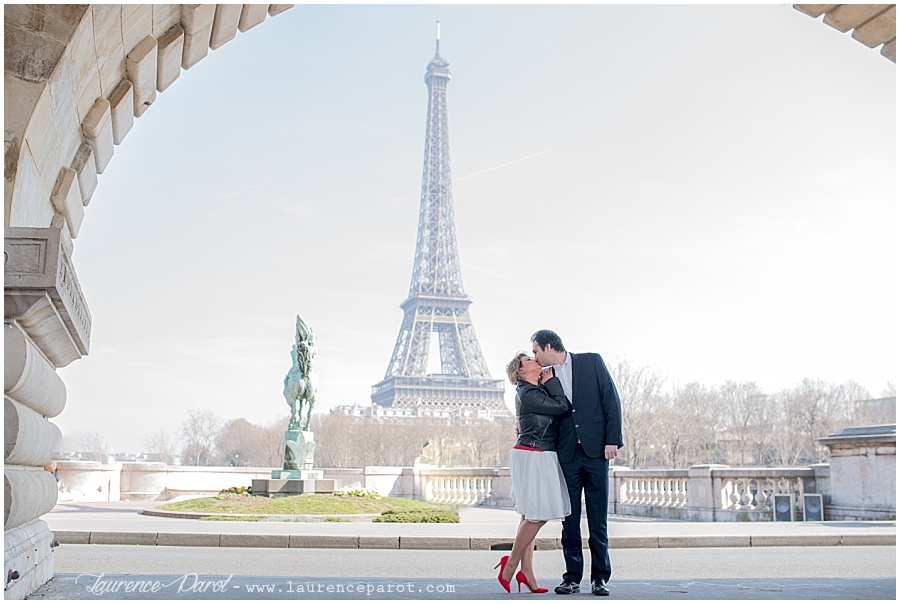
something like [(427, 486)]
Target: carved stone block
[(28, 438), (121, 103), (277, 9), (225, 24), (86, 169), (197, 21), (28, 377), (97, 129), (141, 65), (197, 17), (42, 293), (171, 49), (30, 493), (196, 47), (252, 15), (67, 201)]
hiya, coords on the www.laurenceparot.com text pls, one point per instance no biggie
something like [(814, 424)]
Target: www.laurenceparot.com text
[(193, 583)]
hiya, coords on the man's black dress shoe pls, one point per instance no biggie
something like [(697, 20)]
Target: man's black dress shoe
[(599, 588), (567, 587)]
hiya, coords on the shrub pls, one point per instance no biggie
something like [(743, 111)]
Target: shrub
[(358, 492), (418, 516)]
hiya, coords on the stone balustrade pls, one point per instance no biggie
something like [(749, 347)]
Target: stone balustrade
[(655, 488), (710, 493), (457, 486), (859, 484), (707, 493)]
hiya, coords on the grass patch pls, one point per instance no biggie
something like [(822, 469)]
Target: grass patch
[(233, 519), (297, 505)]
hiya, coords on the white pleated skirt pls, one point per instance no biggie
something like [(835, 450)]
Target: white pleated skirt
[(538, 487)]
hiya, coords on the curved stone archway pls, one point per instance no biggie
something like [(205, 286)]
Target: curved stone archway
[(75, 78)]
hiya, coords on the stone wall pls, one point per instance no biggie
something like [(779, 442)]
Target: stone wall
[(148, 481), (863, 473), (46, 326)]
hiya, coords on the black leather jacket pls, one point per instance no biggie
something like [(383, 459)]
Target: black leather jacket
[(538, 411)]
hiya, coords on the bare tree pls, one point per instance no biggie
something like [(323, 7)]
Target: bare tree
[(821, 409), (489, 442), (245, 444), (687, 426), (788, 446), (335, 443), (444, 446), (640, 390), (407, 439), (746, 420), (702, 404), (94, 446), (808, 412), (199, 433), (273, 435), (161, 445)]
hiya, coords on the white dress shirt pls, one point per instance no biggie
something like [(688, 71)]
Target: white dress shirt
[(564, 373)]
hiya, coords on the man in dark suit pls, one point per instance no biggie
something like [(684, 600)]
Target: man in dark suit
[(587, 440)]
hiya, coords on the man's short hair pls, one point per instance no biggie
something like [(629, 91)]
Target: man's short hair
[(546, 337)]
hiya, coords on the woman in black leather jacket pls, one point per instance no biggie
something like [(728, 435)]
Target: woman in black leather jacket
[(538, 487)]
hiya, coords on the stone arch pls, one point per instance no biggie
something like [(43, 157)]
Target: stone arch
[(75, 78)]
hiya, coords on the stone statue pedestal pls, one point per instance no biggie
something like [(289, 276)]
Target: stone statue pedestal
[(297, 476), (276, 487)]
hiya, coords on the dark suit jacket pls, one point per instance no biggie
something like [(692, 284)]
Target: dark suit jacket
[(597, 411)]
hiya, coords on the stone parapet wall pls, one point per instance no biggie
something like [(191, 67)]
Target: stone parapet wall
[(133, 481), (863, 473), (136, 481)]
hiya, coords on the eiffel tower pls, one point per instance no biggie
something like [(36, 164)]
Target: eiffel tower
[(437, 302)]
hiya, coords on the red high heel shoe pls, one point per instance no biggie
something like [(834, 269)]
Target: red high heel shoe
[(521, 578), (502, 565)]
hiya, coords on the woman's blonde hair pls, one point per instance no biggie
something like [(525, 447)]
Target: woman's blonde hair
[(512, 368)]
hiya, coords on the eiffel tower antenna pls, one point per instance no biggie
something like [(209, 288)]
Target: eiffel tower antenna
[(437, 302)]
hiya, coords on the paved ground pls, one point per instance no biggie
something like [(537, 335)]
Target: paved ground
[(479, 528), (653, 560), (221, 587), (639, 564)]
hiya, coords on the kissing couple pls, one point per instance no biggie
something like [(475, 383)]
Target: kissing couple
[(569, 426)]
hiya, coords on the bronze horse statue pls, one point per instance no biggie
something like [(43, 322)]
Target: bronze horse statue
[(300, 382)]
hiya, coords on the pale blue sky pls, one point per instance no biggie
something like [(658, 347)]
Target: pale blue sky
[(707, 189)]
